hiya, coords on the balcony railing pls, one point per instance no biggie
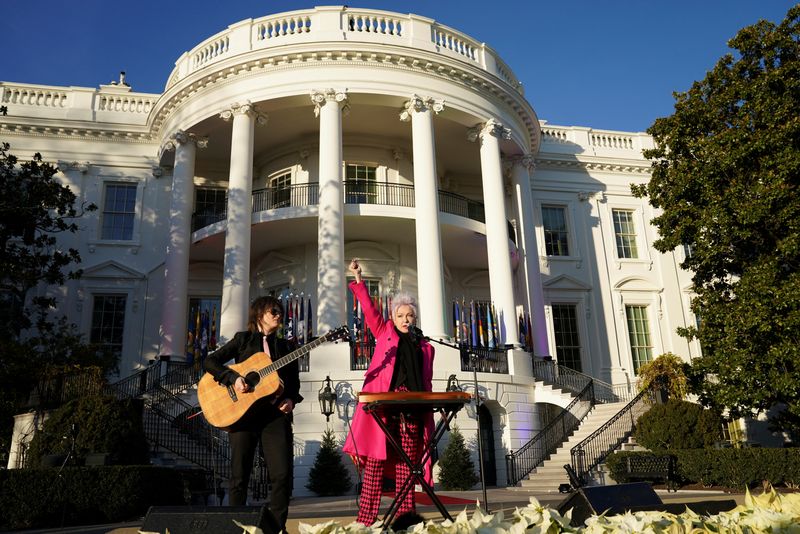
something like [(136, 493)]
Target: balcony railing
[(355, 192), (484, 359)]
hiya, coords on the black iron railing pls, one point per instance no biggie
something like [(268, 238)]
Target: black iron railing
[(380, 193), (486, 361), (207, 218), (298, 195), (521, 462), (463, 206), (588, 454), (574, 381)]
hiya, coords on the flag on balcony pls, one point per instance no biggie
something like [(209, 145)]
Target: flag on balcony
[(529, 331), (456, 320), (212, 339), (491, 340), (473, 325), (301, 322), (309, 331), (289, 319), (190, 338)]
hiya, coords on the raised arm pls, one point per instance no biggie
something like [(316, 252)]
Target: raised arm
[(372, 316)]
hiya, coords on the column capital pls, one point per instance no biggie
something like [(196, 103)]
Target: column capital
[(82, 167), (526, 161), (245, 108), (490, 127), (418, 104), (320, 98), (181, 137)]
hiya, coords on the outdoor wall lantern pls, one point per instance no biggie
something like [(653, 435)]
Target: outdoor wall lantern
[(452, 383), (327, 398)]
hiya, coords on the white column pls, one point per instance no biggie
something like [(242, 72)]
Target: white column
[(328, 107), (500, 275), (236, 273), (174, 314), (521, 175), (430, 272)]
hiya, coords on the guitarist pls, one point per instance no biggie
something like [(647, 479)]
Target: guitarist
[(270, 419)]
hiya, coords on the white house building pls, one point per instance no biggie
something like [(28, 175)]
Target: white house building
[(283, 146)]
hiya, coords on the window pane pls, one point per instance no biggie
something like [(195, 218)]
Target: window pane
[(565, 327), (639, 334), (108, 322), (361, 187), (625, 233), (118, 212), (554, 221)]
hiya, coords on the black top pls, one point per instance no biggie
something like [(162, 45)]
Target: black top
[(242, 346), (408, 364)]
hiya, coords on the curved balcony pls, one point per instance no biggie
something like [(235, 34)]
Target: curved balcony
[(355, 192)]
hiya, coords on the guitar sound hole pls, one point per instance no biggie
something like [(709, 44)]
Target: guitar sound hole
[(252, 379)]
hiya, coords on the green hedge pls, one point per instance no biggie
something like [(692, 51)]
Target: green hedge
[(41, 498), (733, 468)]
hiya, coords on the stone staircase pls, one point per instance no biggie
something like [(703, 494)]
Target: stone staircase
[(548, 476)]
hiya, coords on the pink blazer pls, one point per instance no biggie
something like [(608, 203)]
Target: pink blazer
[(366, 439)]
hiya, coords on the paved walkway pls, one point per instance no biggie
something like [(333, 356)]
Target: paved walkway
[(314, 510)]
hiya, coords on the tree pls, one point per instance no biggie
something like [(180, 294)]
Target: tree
[(34, 209), (678, 424), (456, 470), (328, 475), (725, 175), (667, 371)]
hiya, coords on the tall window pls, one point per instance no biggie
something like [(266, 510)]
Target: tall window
[(554, 220), (639, 333), (280, 189), (568, 343), (210, 206), (119, 210), (361, 185), (108, 322), (625, 232)]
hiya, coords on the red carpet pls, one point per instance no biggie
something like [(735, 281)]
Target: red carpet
[(423, 499)]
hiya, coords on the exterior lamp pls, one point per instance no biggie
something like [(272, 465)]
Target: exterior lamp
[(452, 383), (327, 398)]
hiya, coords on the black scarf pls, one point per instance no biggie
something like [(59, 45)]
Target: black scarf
[(408, 364)]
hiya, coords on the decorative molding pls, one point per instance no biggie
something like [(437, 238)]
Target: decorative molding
[(490, 127), (246, 108), (71, 133), (618, 168), (181, 137), (320, 98), (417, 104), (82, 167), (158, 171)]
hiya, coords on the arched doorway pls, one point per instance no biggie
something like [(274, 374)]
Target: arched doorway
[(487, 438)]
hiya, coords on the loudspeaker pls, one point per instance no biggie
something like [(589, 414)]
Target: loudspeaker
[(592, 500), (216, 519)]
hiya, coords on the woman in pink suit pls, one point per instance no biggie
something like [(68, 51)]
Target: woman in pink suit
[(401, 362)]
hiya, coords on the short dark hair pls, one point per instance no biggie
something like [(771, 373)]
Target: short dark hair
[(257, 309)]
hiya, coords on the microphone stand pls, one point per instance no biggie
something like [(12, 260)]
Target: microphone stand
[(473, 358)]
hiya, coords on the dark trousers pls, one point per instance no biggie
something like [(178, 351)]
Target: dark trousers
[(277, 454)]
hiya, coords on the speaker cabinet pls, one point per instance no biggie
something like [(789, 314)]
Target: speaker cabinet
[(216, 519), (592, 500)]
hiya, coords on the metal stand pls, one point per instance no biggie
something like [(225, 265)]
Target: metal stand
[(473, 359)]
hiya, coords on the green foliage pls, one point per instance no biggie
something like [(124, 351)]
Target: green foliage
[(667, 371), (99, 424), (733, 468), (725, 176), (678, 424), (40, 498), (328, 475), (456, 470)]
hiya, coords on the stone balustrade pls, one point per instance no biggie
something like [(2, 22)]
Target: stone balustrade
[(336, 23), (580, 140), (114, 104)]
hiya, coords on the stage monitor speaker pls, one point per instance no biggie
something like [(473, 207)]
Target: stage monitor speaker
[(216, 519), (592, 500)]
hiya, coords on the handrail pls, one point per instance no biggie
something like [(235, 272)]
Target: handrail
[(588, 454), (519, 464), (572, 380), (379, 193)]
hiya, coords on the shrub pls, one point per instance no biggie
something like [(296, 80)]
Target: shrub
[(678, 424), (39, 498), (667, 371), (328, 475), (456, 470), (733, 468), (98, 424)]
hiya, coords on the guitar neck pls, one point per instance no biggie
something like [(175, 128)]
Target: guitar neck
[(292, 356)]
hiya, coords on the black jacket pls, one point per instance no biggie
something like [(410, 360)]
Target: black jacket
[(242, 346)]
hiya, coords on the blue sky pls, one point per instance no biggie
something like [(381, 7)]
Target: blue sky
[(607, 64)]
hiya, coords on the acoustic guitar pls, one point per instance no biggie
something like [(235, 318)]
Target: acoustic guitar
[(223, 406)]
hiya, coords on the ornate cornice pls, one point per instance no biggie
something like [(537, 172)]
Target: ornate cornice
[(465, 75), (418, 104), (320, 98), (89, 134), (604, 166)]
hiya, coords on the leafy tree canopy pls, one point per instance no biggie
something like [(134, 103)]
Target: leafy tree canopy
[(725, 176)]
